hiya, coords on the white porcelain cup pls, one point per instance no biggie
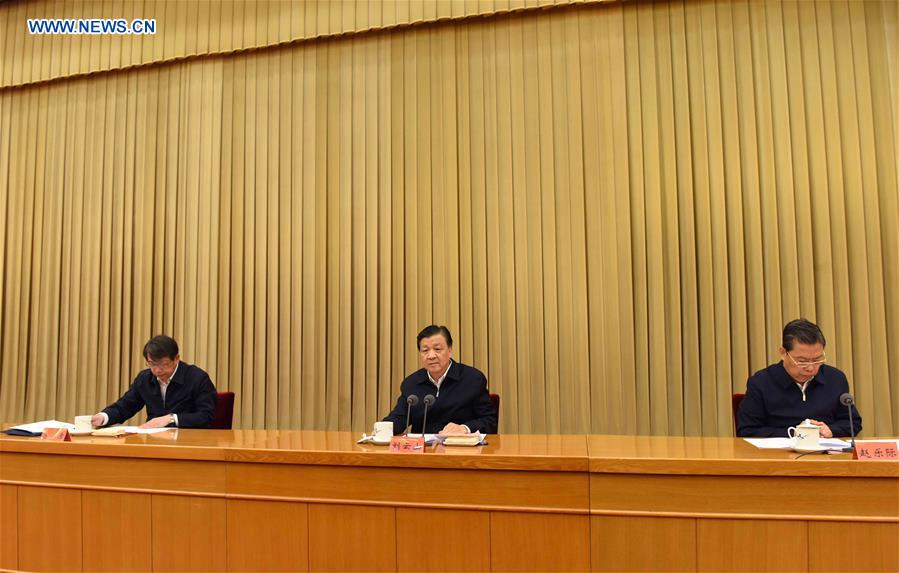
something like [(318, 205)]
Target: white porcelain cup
[(805, 436), (383, 431), (83, 423)]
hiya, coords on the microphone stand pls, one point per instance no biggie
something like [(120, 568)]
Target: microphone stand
[(428, 401), (412, 400), (851, 448), (846, 400)]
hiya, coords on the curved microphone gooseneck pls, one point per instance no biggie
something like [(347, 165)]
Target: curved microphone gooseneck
[(412, 400), (846, 400), (428, 401)]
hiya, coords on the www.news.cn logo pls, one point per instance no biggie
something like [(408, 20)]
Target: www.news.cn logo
[(91, 26)]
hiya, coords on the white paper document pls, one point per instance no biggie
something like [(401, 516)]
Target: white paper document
[(884, 440), (787, 443), (429, 438), (138, 430), (39, 427), (36, 428)]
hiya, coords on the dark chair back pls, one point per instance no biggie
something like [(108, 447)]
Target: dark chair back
[(494, 399), (224, 411), (735, 401)]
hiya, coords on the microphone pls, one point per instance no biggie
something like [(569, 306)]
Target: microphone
[(846, 400), (428, 401), (412, 400)]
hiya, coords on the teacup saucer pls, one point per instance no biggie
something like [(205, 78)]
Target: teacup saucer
[(379, 441)]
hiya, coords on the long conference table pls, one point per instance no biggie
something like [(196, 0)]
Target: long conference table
[(265, 500)]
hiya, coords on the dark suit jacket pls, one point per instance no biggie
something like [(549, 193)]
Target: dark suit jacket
[(774, 402), (462, 399), (190, 395)]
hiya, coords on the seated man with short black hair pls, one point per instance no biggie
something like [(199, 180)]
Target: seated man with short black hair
[(175, 393), (797, 388), (462, 401)]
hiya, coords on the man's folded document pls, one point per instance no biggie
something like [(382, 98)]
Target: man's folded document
[(475, 439), (112, 432)]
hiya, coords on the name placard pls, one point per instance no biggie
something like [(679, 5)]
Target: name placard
[(876, 451), (407, 445), (56, 435)]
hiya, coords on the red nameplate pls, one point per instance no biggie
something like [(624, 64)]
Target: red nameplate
[(407, 445), (56, 435), (876, 451)]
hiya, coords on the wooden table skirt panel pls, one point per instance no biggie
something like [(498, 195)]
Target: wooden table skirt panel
[(189, 533), (9, 527), (630, 543), (751, 497), (244, 500), (42, 510), (114, 536), (462, 541), (196, 534), (342, 538), (267, 536), (642, 544), (751, 545), (539, 542), (141, 475), (413, 487), (850, 546), (375, 538)]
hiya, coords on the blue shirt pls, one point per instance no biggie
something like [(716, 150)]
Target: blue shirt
[(774, 402)]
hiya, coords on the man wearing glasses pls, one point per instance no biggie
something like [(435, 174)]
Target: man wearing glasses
[(799, 387), (175, 393)]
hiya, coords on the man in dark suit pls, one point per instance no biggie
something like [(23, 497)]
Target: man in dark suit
[(462, 402), (175, 393), (799, 387)]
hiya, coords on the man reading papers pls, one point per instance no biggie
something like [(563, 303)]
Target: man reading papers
[(799, 387), (175, 393), (462, 402)]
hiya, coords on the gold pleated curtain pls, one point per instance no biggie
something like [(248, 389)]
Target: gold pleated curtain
[(614, 207)]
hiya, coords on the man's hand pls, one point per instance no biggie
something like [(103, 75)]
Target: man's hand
[(160, 422), (451, 428), (97, 420), (824, 428)]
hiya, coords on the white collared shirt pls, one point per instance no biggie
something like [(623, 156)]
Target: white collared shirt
[(163, 386), (440, 380), (803, 386)]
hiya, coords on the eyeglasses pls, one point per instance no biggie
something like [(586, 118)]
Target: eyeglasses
[(157, 365), (803, 363)]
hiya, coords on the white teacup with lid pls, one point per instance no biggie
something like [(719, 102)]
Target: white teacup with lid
[(805, 436), (383, 431)]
